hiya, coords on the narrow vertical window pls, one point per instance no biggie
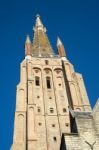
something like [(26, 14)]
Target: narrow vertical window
[(48, 82), (46, 62), (39, 110), (54, 138), (51, 110), (37, 81)]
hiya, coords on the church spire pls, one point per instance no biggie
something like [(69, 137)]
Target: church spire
[(39, 25), (28, 41), (60, 48), (28, 46), (41, 44)]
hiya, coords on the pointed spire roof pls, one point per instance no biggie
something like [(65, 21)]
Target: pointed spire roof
[(28, 41), (39, 24), (28, 46), (60, 47), (59, 42), (41, 44)]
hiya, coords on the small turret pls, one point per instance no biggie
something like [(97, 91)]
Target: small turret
[(27, 46), (60, 48)]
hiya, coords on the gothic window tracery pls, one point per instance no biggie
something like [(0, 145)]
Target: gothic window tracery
[(36, 70), (47, 70), (58, 71)]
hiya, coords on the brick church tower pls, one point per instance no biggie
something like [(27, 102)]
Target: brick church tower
[(52, 107)]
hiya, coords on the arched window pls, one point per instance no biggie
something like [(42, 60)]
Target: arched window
[(48, 82), (37, 81)]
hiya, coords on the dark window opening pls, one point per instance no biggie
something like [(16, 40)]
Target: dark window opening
[(50, 97), (54, 138), (64, 110), (51, 110), (53, 125), (37, 81), (39, 123), (39, 110), (38, 96), (46, 62), (48, 82), (66, 124)]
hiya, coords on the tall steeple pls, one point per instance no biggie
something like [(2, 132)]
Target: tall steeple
[(41, 44), (39, 25), (27, 46), (51, 101), (60, 48)]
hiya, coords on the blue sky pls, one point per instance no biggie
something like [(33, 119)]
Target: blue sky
[(77, 24)]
